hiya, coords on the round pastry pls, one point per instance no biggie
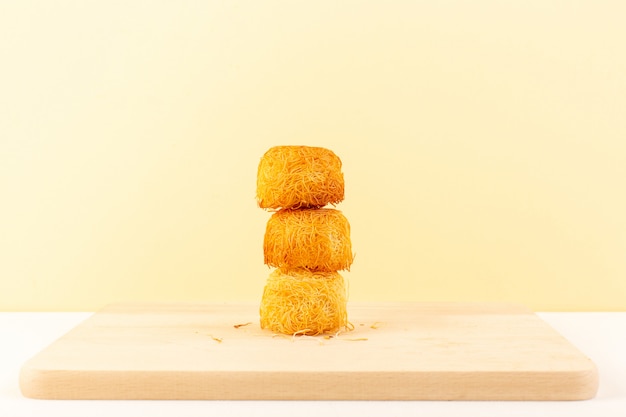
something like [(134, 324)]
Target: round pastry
[(314, 239), (299, 177), (304, 303)]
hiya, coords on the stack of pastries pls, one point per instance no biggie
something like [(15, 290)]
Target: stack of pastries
[(305, 241)]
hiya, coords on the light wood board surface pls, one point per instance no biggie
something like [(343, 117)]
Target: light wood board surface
[(420, 351)]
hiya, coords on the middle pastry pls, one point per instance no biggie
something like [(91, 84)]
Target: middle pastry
[(313, 239)]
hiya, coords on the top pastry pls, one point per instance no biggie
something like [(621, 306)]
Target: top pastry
[(293, 177)]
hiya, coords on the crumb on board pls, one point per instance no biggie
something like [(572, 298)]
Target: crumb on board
[(237, 326), (303, 336)]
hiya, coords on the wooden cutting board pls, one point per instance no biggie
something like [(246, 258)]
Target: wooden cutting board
[(426, 351)]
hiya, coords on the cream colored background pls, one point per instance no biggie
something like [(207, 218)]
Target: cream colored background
[(484, 146)]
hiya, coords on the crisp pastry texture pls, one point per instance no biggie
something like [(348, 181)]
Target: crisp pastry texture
[(300, 302), (299, 177), (313, 239)]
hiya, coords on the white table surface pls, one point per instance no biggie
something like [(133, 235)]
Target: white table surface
[(600, 336)]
